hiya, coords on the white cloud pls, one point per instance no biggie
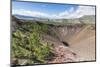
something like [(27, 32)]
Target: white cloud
[(71, 13), (29, 13), (66, 12), (79, 12)]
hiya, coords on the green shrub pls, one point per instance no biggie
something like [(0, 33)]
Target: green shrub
[(26, 44)]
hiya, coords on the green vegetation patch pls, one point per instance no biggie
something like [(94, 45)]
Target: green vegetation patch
[(26, 43)]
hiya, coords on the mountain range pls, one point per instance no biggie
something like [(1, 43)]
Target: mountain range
[(87, 19)]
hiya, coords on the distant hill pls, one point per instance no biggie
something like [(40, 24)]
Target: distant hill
[(87, 19), (24, 17), (30, 18)]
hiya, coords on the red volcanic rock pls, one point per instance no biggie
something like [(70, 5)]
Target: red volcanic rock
[(63, 54)]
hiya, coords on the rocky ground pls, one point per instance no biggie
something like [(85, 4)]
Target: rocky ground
[(81, 45), (63, 54), (71, 43)]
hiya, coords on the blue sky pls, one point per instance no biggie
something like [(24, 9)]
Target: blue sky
[(51, 10)]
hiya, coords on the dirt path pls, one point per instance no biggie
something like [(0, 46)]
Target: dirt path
[(85, 49)]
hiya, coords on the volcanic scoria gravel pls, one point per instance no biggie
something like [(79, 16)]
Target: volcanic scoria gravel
[(63, 54)]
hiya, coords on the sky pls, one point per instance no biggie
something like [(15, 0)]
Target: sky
[(51, 10)]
